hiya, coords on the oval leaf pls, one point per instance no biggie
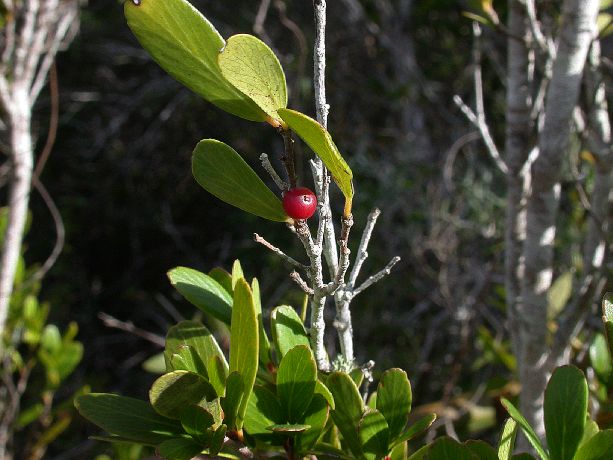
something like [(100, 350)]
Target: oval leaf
[(394, 400), (127, 417), (252, 67), (320, 141), (179, 449), (565, 408), (244, 342), (316, 417), (232, 400), (374, 434), (196, 420), (186, 45), (348, 409), (287, 329), (203, 292), (601, 359), (416, 429), (599, 447), (448, 449), (263, 410), (296, 379), (172, 392), (223, 173)]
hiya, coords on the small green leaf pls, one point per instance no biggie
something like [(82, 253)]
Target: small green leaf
[(232, 400), (322, 390), (565, 407), (223, 173), (374, 434), (348, 409), (203, 292), (558, 294), (526, 428), (172, 392), (400, 452), (244, 342), (252, 67), (179, 449), (448, 449), (320, 141), (296, 379), (507, 439), (316, 417), (186, 45), (237, 273), (607, 318), (591, 428), (127, 417), (289, 429), (599, 447), (156, 364), (186, 359), (263, 410), (217, 440), (217, 368), (196, 420), (264, 342), (394, 399), (601, 359), (223, 278), (416, 429), (482, 450), (287, 329)]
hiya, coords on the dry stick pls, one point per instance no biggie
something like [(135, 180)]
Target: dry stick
[(293, 262), (114, 323), (267, 165)]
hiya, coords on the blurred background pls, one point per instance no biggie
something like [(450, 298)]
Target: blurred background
[(121, 177)]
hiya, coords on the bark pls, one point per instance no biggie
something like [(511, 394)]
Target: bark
[(576, 33)]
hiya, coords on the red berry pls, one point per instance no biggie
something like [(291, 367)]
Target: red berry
[(299, 203)]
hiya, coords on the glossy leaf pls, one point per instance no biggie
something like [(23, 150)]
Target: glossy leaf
[(416, 429), (600, 357), (507, 439), (263, 411), (320, 141), (217, 369), (186, 45), (203, 292), (374, 434), (322, 390), (482, 450), (394, 399), (565, 407), (237, 273), (591, 429), (264, 343), (223, 173), (223, 278), (179, 449), (232, 400), (348, 409), (244, 344), (172, 392), (155, 364), (127, 417), (448, 449), (287, 329), (217, 440), (316, 417), (252, 67), (296, 379), (526, 428), (599, 447), (186, 359), (196, 420), (400, 452)]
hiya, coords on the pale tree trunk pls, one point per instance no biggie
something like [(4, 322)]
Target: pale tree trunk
[(578, 29)]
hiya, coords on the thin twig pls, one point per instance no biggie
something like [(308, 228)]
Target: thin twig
[(295, 276), (377, 276), (258, 239), (128, 326), (267, 165), (362, 253)]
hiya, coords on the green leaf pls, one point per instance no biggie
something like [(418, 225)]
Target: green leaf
[(348, 409), (263, 410), (217, 368), (289, 429), (287, 329), (416, 429), (374, 434), (601, 359), (186, 45), (400, 452), (172, 392), (232, 400), (448, 449), (320, 141), (507, 439), (558, 294), (599, 447), (223, 278), (217, 440), (316, 416), (605, 25), (237, 273), (591, 428), (322, 390), (186, 359), (127, 417), (482, 450), (196, 336), (565, 407), (252, 67), (196, 420), (179, 449), (156, 364), (607, 318), (202, 291), (264, 343), (394, 399), (223, 173), (296, 379), (526, 428), (244, 342)]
